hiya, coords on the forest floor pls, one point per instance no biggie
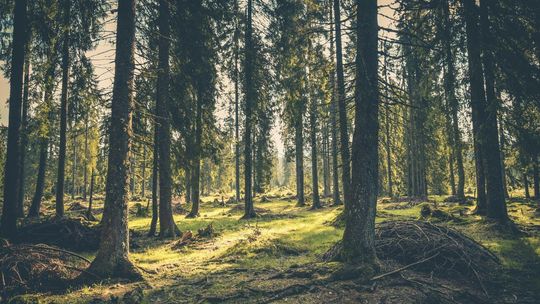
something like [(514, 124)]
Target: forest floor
[(278, 258)]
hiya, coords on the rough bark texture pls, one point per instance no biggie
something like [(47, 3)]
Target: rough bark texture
[(477, 99), (490, 130), (342, 108), (112, 258), (449, 85), (299, 158), (8, 226), (314, 169), (24, 139), (63, 112), (167, 227), (333, 119), (155, 185), (359, 235), (249, 211)]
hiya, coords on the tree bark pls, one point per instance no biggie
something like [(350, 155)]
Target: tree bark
[(526, 185), (313, 136), (167, 227), (299, 156), (536, 181), (24, 138), (236, 107), (449, 81), (112, 258), (85, 168), (359, 236), (63, 112), (333, 118), (342, 108), (196, 161), (8, 224), (387, 133), (477, 99), (155, 184), (249, 211)]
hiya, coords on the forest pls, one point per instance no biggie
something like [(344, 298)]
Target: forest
[(270, 151)]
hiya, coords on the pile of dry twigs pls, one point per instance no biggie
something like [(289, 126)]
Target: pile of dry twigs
[(39, 267)]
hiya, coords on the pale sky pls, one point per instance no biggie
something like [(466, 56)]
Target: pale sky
[(103, 60)]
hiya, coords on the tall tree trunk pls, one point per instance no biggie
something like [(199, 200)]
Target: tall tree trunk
[(536, 181), (313, 136), (86, 157), (112, 258), (155, 184), (490, 131), (450, 80), (478, 100), (167, 227), (333, 119), (299, 163), (187, 177), (143, 173), (63, 111), (387, 131), (196, 161), (40, 182), (8, 224), (359, 236), (74, 167), (89, 214), (236, 108), (342, 108), (325, 161), (24, 138), (502, 141), (249, 211)]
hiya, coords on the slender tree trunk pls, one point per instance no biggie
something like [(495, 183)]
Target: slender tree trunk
[(86, 157), (40, 182), (502, 141), (196, 162), (63, 111), (325, 161), (187, 175), (477, 100), (526, 185), (236, 107), (167, 227), (536, 181), (314, 170), (299, 164), (24, 139), (249, 211), (74, 167), (490, 132), (89, 214), (155, 184), (387, 132), (450, 80), (143, 173), (359, 236), (8, 224), (333, 120), (342, 107), (112, 258)]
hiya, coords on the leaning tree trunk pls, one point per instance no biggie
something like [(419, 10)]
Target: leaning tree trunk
[(112, 258), (60, 180), (8, 225), (359, 236), (333, 120), (24, 139), (342, 108), (249, 211), (167, 227), (40, 182)]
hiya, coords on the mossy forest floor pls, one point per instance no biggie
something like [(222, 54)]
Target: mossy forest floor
[(278, 258)]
